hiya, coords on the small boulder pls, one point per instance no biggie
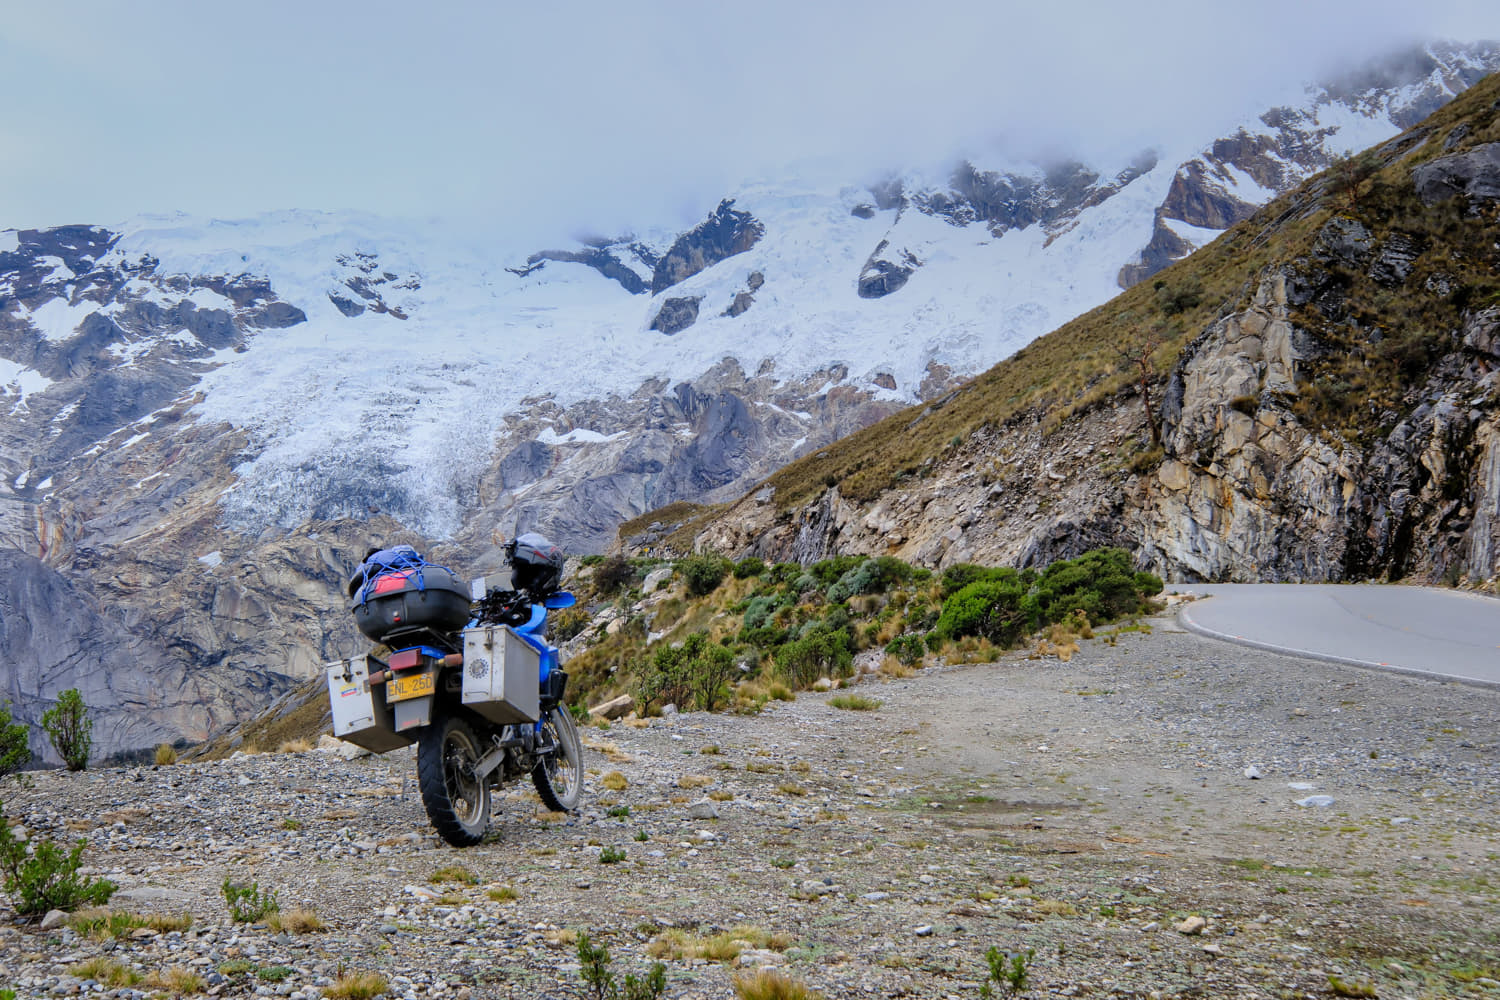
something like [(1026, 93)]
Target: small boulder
[(1191, 926), (615, 708), (655, 579)]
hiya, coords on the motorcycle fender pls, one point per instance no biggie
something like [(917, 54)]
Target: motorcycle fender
[(413, 713)]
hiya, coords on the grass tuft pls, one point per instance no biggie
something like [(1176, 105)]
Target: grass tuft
[(770, 984), (357, 986)]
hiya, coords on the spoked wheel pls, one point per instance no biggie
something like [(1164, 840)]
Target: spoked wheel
[(558, 775), (457, 802)]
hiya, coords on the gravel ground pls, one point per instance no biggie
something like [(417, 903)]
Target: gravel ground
[(1162, 816)]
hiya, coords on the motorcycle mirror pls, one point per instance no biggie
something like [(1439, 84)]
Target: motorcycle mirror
[(561, 599)]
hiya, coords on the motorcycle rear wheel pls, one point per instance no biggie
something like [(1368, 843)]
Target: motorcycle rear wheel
[(558, 776), (457, 802)]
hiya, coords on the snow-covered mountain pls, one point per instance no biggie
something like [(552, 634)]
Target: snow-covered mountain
[(179, 398)]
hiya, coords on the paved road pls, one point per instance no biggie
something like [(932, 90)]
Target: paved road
[(1419, 630)]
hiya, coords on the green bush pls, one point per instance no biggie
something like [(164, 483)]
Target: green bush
[(703, 572), (960, 575), (249, 903), (907, 649), (15, 749), (806, 582), (873, 576), (749, 566), (70, 729), (696, 672), (826, 571), (40, 877), (758, 611), (785, 572), (1003, 605), (594, 970), (819, 651), (992, 609), (1101, 583)]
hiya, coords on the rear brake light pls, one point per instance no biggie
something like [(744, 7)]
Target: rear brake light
[(405, 660)]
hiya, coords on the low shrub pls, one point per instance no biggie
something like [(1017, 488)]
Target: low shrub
[(771, 984), (703, 572), (599, 978), (854, 702), (39, 877), (873, 576), (357, 986), (613, 574), (748, 567), (907, 649), (696, 672), (820, 651), (249, 903), (1003, 605)]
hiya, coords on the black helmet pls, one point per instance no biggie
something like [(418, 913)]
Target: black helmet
[(536, 565)]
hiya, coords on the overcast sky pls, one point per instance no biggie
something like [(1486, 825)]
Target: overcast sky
[(554, 115)]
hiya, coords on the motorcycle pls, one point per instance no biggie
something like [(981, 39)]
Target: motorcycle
[(466, 673)]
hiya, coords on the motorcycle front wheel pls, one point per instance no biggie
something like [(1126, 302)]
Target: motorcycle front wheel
[(457, 802), (558, 775)]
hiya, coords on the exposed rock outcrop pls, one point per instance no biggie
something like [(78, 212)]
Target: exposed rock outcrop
[(702, 440), (676, 314), (726, 232), (1474, 173)]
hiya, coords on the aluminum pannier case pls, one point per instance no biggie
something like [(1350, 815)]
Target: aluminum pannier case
[(502, 675), (360, 714)]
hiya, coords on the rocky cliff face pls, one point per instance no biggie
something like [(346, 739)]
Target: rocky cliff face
[(1276, 462)]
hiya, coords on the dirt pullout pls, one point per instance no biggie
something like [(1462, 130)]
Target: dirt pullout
[(1164, 815)]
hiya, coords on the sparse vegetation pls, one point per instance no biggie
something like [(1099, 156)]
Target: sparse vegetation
[(854, 702), (453, 873), (357, 986), (772, 984), (297, 920), (248, 903), (599, 978), (178, 981), (165, 754), (38, 876), (1009, 970), (106, 971)]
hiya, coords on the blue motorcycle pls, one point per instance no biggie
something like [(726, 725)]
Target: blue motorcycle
[(467, 674)]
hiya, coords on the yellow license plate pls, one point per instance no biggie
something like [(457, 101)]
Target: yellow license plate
[(410, 686)]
